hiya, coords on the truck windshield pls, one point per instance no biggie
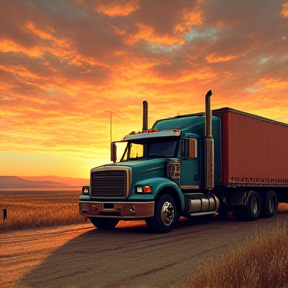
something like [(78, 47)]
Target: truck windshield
[(156, 148)]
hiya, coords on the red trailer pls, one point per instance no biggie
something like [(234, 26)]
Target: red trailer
[(254, 156)]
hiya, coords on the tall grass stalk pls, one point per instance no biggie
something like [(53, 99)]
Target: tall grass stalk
[(261, 262)]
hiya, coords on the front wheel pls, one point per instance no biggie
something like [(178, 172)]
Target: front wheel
[(165, 215), (104, 223)]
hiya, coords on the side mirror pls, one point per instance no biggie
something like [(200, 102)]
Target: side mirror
[(113, 152), (190, 148), (193, 148)]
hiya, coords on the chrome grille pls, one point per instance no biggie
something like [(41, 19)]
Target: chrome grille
[(109, 183)]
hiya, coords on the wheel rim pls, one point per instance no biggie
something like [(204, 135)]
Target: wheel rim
[(272, 205), (167, 213), (254, 205)]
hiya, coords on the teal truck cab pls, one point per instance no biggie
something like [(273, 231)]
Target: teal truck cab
[(176, 168)]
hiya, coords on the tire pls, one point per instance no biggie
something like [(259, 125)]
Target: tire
[(104, 223), (165, 215), (253, 208), (251, 211), (269, 205)]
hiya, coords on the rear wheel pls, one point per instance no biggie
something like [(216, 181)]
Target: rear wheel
[(269, 204), (104, 223), (165, 215), (252, 209)]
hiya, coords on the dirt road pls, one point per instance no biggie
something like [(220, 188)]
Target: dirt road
[(130, 255)]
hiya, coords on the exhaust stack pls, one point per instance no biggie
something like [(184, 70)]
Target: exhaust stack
[(209, 145), (145, 116)]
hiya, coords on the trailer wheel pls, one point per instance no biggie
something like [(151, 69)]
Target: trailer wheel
[(104, 223), (165, 215), (269, 205), (252, 209)]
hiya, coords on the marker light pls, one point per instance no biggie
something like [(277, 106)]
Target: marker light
[(152, 130), (147, 189)]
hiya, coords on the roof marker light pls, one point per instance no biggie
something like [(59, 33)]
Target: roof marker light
[(152, 130)]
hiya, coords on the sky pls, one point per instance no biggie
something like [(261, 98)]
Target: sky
[(67, 65)]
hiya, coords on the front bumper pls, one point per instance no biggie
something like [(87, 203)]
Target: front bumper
[(120, 210)]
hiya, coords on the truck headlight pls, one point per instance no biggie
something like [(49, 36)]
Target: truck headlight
[(85, 190), (143, 189), (139, 189)]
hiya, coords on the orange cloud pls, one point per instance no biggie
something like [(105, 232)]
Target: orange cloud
[(7, 46), (148, 33), (273, 83), (114, 8), (188, 19), (42, 34), (284, 12), (213, 58), (59, 47), (185, 19)]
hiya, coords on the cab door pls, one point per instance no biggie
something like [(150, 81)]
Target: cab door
[(189, 174)]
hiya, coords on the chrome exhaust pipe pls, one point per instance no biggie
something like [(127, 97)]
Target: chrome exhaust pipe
[(145, 116), (208, 115), (209, 144)]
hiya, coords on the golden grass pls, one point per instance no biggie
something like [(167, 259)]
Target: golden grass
[(39, 209), (261, 262)]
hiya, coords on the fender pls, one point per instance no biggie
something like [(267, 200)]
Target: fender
[(156, 184)]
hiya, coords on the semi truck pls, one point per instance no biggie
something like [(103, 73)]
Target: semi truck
[(215, 162)]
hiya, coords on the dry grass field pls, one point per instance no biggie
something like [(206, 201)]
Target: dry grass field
[(33, 209), (260, 262)]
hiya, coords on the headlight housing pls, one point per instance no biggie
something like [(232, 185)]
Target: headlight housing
[(85, 190), (141, 189)]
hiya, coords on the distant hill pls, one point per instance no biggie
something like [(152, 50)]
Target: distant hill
[(74, 182), (14, 182)]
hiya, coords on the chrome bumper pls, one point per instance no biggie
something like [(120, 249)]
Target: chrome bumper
[(120, 210)]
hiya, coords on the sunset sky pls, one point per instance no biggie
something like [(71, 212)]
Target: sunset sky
[(65, 65)]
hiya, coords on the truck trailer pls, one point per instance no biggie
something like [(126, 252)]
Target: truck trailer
[(221, 161)]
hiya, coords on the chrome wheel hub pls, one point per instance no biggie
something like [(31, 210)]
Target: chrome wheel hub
[(272, 205), (254, 205), (167, 213)]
